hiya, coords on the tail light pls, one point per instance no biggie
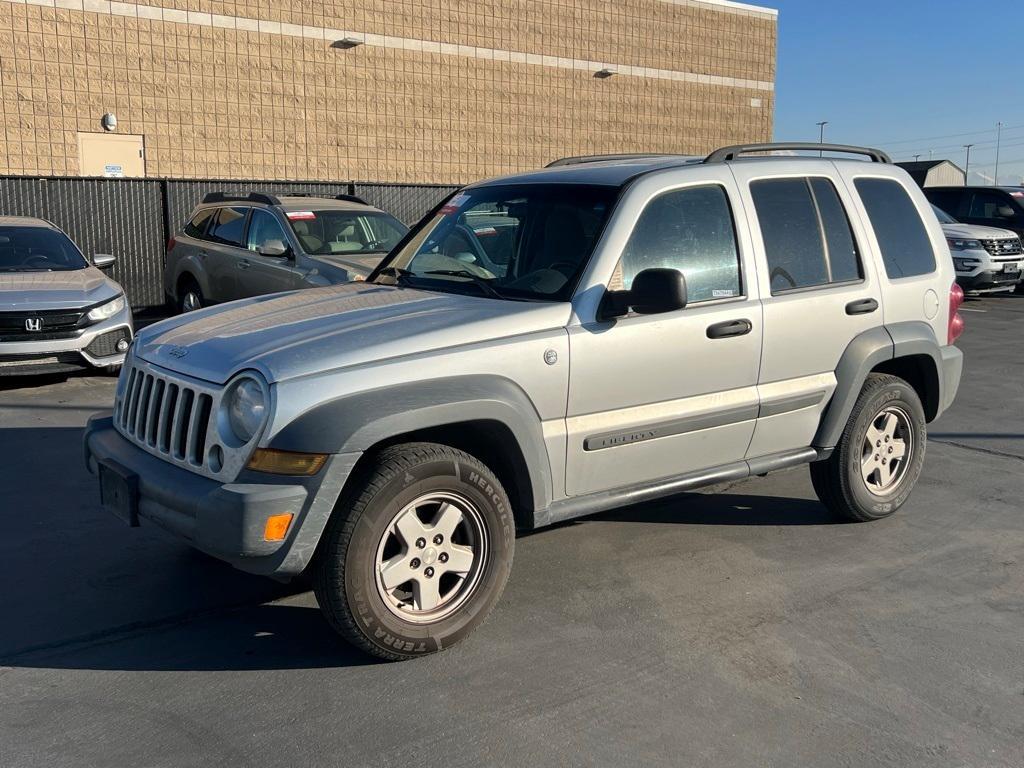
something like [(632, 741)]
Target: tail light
[(170, 244), (956, 320)]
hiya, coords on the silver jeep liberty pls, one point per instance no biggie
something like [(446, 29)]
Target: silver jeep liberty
[(540, 347)]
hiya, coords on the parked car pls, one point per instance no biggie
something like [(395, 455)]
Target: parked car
[(985, 258), (659, 324), (998, 207), (58, 312), (237, 246)]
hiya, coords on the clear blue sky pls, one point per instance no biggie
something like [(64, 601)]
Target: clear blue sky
[(905, 75)]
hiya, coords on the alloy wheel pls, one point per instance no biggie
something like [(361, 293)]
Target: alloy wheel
[(431, 556), (887, 450)]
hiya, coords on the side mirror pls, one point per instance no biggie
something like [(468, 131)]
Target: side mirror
[(1005, 212), (103, 260), (653, 292), (275, 248)]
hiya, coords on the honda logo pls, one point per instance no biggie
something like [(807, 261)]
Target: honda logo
[(34, 324)]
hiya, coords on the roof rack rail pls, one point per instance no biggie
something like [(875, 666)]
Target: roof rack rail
[(725, 154), (351, 199), (252, 197), (601, 158)]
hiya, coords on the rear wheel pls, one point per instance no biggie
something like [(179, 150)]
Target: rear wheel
[(879, 458), (419, 556)]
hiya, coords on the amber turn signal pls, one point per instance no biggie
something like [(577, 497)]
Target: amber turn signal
[(277, 526), (286, 462)]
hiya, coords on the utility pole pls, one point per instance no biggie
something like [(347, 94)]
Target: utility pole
[(967, 170), (916, 158), (821, 133), (999, 138)]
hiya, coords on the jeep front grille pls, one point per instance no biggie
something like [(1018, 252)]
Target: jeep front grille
[(1009, 246), (168, 417)]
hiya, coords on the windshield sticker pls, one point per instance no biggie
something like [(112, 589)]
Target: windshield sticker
[(722, 294), (484, 231), (454, 204), (300, 215)]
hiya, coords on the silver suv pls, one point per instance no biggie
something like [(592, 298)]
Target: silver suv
[(58, 312), (545, 346), (237, 246)]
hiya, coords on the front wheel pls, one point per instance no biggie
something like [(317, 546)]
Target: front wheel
[(420, 555), (879, 458)]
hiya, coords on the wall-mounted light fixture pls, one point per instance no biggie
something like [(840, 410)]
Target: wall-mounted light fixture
[(347, 42), (605, 73), (109, 122)]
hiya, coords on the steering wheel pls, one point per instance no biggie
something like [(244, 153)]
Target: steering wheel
[(37, 257), (780, 272)]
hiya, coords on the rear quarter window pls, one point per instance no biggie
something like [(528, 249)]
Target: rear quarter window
[(197, 226), (899, 229)]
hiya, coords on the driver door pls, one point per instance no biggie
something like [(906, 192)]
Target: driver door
[(654, 397)]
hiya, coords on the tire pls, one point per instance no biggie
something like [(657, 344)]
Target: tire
[(854, 483), (190, 296), (372, 526)]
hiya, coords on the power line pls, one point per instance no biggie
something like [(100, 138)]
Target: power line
[(946, 136)]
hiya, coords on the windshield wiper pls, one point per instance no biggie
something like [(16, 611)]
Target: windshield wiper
[(485, 286)]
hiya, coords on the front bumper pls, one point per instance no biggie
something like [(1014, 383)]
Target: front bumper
[(988, 279), (226, 520), (95, 347)]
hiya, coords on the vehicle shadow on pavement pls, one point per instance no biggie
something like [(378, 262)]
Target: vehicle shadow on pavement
[(724, 509), (72, 572), (266, 637)]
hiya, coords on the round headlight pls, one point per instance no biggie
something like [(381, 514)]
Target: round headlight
[(247, 408)]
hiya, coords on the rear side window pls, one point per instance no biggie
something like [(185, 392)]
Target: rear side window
[(197, 227), (988, 205), (902, 237), (807, 237), (690, 230), (228, 226)]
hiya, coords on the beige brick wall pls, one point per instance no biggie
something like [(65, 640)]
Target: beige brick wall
[(215, 102)]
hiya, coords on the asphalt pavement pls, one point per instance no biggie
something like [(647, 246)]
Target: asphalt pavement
[(736, 627)]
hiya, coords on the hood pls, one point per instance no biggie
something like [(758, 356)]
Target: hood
[(351, 262), (974, 232), (55, 290), (306, 332)]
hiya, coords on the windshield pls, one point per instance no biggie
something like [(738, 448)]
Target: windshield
[(38, 249), (943, 217), (516, 241), (340, 231)]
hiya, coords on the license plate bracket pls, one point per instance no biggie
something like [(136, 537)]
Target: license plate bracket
[(119, 491), (1011, 267)]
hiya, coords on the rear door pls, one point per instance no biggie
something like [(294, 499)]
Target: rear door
[(259, 274), (652, 397), (225, 250), (818, 293)]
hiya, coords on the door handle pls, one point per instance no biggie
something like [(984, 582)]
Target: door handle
[(729, 329), (244, 264), (861, 307)]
